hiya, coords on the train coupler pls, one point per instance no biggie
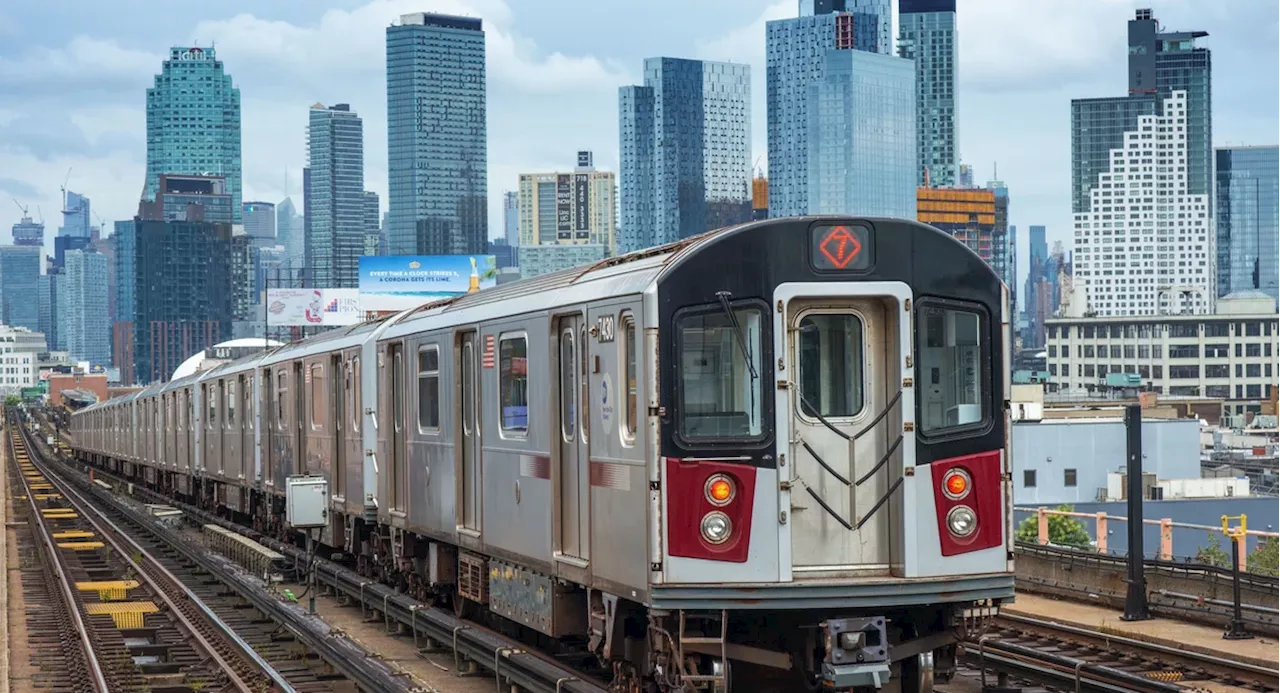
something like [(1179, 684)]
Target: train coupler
[(857, 653)]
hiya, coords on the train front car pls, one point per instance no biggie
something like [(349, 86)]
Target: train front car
[(832, 481)]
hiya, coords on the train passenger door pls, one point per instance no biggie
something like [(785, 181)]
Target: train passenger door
[(571, 462), (843, 368), (300, 419), (398, 479), (469, 457), (339, 389)]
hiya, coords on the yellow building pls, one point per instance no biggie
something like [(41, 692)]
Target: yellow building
[(577, 208)]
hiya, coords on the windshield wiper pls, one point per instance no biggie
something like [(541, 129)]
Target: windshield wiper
[(737, 331)]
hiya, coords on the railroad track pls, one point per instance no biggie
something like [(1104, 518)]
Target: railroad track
[(143, 618), (514, 663), (1073, 658)]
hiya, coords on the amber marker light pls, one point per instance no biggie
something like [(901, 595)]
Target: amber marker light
[(719, 490), (956, 484)]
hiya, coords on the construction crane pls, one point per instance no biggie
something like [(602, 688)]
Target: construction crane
[(22, 207), (66, 180)]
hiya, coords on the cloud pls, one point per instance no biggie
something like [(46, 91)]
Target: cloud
[(17, 188), (85, 65)]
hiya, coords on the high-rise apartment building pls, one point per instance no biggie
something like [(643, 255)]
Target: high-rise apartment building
[(436, 135), (289, 231), (796, 57), (76, 221), (511, 217), (927, 35), (47, 309), (685, 142), (1003, 255), (335, 196), (27, 232), (861, 136), (19, 281), (1248, 208), (881, 10), (1162, 128), (193, 122), (567, 208), (1146, 244), (189, 198), (260, 223), (82, 307), (372, 214), (968, 215)]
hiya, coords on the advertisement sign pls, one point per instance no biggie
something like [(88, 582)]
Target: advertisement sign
[(313, 307), (583, 226), (400, 282), (564, 208)]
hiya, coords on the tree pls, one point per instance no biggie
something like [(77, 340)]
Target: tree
[(1213, 553), (12, 401), (1063, 530), (1265, 559)]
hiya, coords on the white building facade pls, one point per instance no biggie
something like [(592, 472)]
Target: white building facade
[(20, 351), (1146, 246)]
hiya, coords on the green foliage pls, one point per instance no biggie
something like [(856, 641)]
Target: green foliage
[(1213, 553), (1063, 530), (1264, 559), (12, 401)]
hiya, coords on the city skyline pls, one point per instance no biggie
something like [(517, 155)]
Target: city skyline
[(574, 80)]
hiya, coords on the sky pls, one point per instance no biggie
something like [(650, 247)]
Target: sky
[(74, 74)]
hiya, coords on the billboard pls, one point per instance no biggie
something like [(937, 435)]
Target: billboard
[(564, 208), (400, 282), (582, 229), (313, 307)]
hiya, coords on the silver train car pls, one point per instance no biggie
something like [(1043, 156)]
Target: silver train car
[(774, 453)]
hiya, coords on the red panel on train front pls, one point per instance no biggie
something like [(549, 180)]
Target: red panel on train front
[(687, 504), (983, 498)]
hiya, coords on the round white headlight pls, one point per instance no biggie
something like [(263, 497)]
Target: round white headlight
[(716, 527), (961, 521)]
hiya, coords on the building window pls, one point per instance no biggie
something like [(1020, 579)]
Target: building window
[(1028, 478), (513, 385), (428, 387), (1069, 478)]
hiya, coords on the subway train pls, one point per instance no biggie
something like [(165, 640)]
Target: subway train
[(775, 451)]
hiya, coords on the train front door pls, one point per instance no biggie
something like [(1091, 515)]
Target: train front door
[(571, 471), (843, 366)]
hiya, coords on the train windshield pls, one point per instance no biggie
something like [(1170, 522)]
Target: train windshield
[(720, 387)]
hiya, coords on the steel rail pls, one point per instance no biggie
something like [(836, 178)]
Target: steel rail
[(114, 535), (56, 563)]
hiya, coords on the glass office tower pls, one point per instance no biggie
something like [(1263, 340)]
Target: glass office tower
[(1248, 194), (927, 35)]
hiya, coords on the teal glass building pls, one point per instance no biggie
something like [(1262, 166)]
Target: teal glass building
[(927, 35), (436, 136), (193, 122), (1248, 191), (685, 151), (334, 239)]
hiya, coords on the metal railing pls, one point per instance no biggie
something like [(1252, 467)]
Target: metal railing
[(1101, 520)]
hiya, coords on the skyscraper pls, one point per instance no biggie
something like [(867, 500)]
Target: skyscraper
[(19, 281), (436, 135), (193, 122), (511, 217), (335, 196), (882, 10), (685, 141), (861, 136), (927, 35), (1125, 249), (372, 212), (1114, 140), (289, 228), (82, 307), (260, 223), (796, 52), (1248, 191), (75, 216)]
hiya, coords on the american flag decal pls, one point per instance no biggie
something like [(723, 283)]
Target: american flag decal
[(488, 351)]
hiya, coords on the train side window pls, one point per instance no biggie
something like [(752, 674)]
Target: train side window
[(212, 396), (231, 404), (568, 386), (953, 357), (282, 391), (513, 385), (630, 351), (317, 396), (830, 356), (357, 397), (720, 394), (428, 387)]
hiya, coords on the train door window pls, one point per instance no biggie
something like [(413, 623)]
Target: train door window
[(282, 396), (317, 396), (568, 385), (953, 356), (1028, 478), (428, 388), (212, 396), (513, 385), (629, 352), (231, 401), (830, 347), (357, 397), (721, 392)]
